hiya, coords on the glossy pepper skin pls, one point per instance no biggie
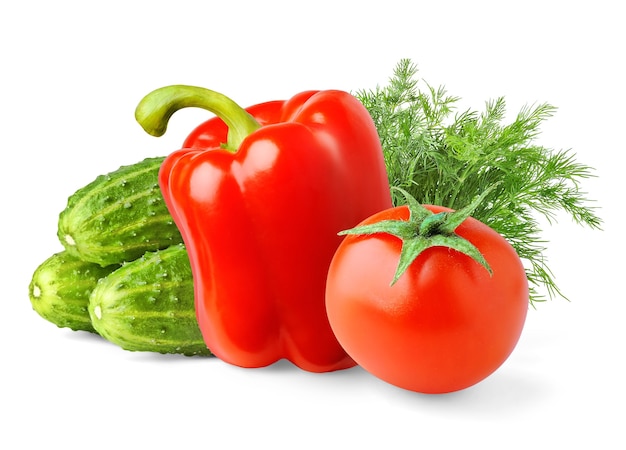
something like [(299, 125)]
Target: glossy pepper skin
[(259, 207)]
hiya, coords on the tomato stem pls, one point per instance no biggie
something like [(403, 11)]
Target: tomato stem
[(424, 230), (431, 224)]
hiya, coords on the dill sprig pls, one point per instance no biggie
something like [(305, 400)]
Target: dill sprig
[(447, 158)]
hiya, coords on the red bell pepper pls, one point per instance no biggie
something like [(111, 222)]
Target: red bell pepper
[(259, 196)]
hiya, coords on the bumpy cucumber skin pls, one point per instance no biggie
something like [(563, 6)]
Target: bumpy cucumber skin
[(118, 216), (60, 289), (148, 305)]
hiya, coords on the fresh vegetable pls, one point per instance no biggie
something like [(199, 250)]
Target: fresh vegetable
[(259, 197), (445, 159), (148, 305), (60, 288), (427, 299), (118, 216)]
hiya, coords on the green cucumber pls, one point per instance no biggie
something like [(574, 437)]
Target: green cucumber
[(60, 289), (118, 216), (148, 305)]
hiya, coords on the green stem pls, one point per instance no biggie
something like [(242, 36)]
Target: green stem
[(431, 223), (155, 109), (424, 230), (453, 194)]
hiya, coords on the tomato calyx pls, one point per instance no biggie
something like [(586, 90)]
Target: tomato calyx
[(425, 229)]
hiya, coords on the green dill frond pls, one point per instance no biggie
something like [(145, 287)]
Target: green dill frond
[(445, 157)]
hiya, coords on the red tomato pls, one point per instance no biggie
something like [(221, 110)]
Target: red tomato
[(445, 325)]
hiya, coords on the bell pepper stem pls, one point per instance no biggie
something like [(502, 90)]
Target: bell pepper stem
[(155, 110)]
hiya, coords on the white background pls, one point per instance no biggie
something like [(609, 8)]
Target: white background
[(72, 74)]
